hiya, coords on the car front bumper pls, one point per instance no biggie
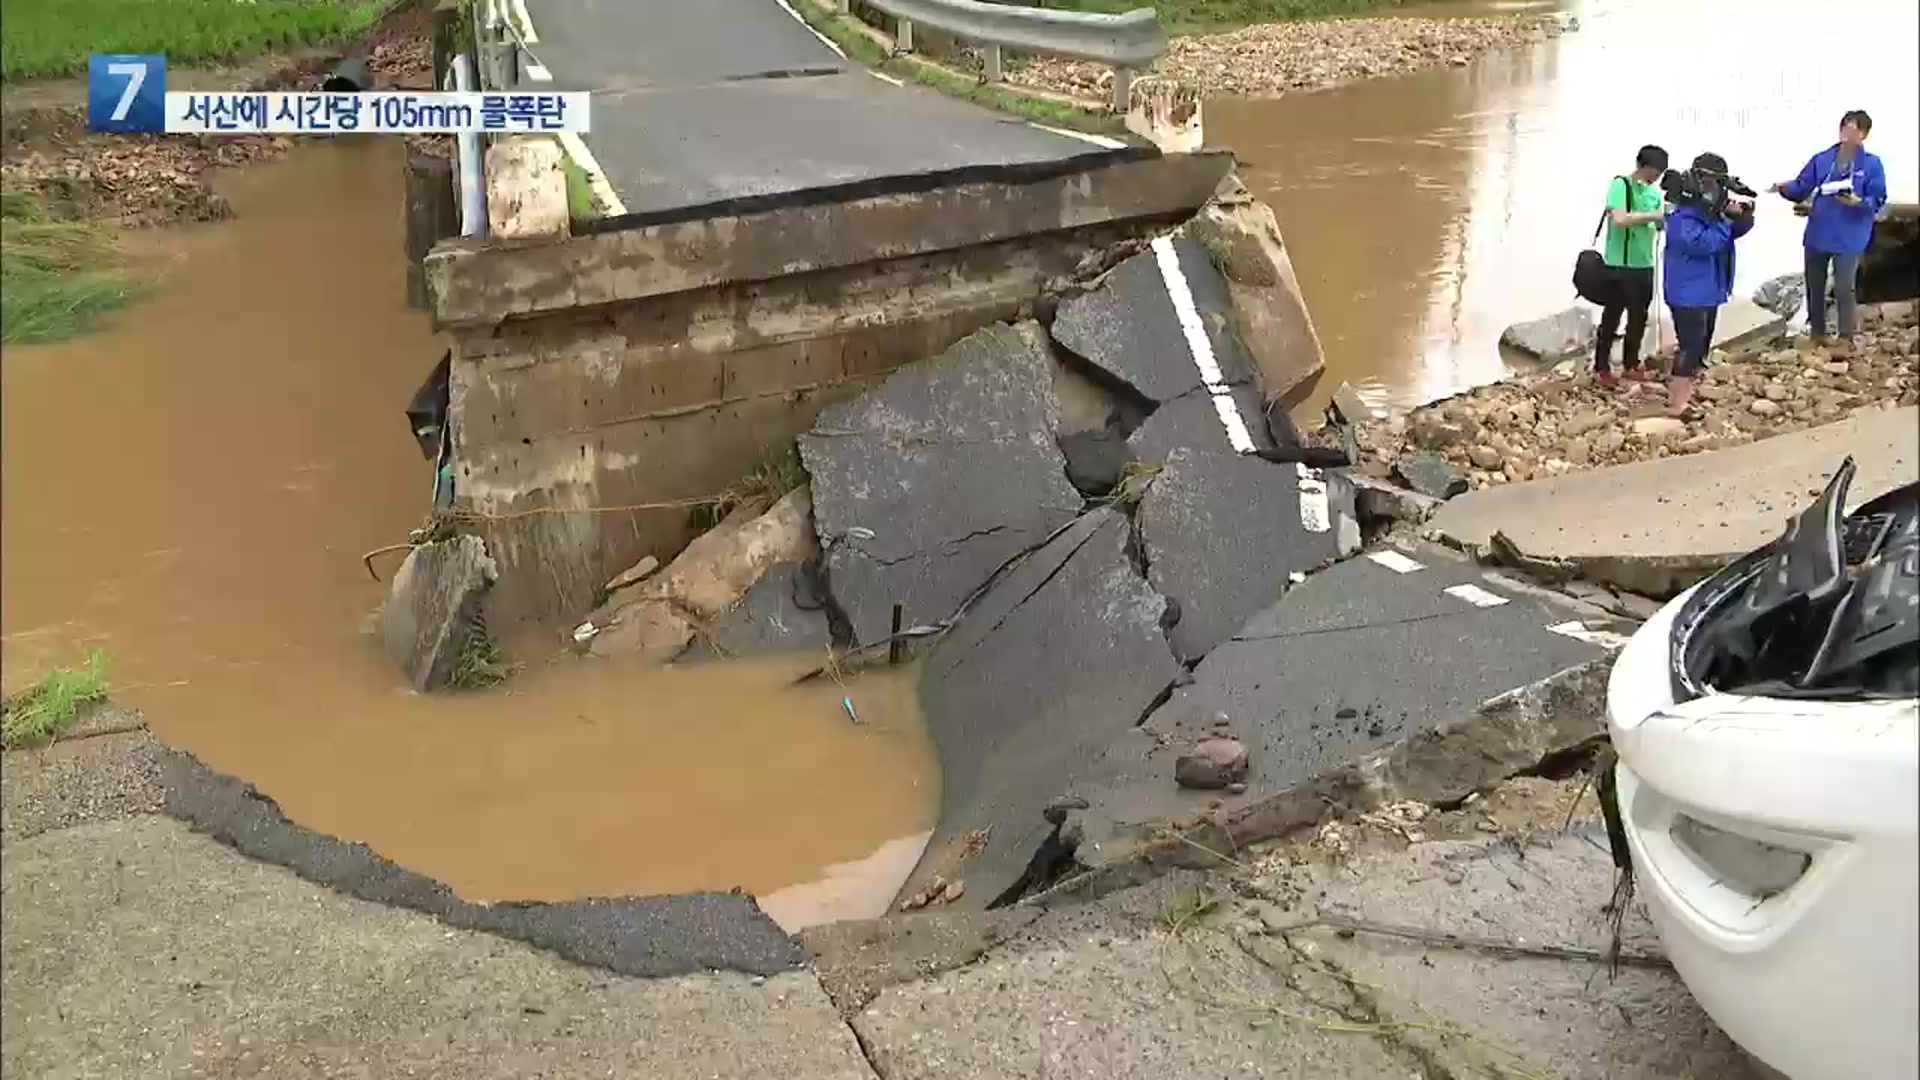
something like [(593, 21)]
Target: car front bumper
[(1814, 971)]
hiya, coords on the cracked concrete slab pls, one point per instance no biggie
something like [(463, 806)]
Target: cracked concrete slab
[(1193, 421), (1362, 659), (925, 486), (1221, 532), (1064, 653), (1655, 527), (1106, 991), (645, 936), (135, 947), (1533, 1016)]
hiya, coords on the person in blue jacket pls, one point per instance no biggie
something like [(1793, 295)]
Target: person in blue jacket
[(1846, 187), (1701, 230)]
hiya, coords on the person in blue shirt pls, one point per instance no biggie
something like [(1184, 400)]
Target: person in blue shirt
[(1846, 187), (1701, 230)]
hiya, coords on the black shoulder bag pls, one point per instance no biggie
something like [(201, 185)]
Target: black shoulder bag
[(1593, 280)]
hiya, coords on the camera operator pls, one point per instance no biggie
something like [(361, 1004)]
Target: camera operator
[(1847, 187), (1711, 211)]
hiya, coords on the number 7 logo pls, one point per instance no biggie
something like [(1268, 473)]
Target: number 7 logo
[(126, 93)]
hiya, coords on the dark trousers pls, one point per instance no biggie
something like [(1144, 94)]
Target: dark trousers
[(1694, 327), (1845, 269), (1633, 297)]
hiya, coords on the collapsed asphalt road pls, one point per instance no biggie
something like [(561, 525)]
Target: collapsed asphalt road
[(698, 103)]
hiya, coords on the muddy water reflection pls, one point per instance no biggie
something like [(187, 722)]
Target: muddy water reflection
[(192, 490), (1426, 214)]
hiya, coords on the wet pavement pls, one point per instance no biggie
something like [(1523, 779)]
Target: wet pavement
[(192, 490), (1428, 213), (698, 103)]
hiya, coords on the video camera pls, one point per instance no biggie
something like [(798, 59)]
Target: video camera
[(1707, 189)]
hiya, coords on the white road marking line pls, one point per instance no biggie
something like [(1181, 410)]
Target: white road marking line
[(1578, 631), (527, 33), (1101, 141), (886, 78), (1315, 514), (537, 71), (576, 148), (1475, 595), (1394, 561), (802, 20), (1199, 347)]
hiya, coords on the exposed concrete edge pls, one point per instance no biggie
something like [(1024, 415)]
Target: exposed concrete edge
[(647, 937), (479, 284), (1509, 735), (1659, 577)]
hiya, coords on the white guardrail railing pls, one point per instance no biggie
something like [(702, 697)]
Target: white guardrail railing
[(1127, 42)]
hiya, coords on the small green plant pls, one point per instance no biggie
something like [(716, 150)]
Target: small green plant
[(480, 665), (1185, 906), (56, 277), (581, 203), (44, 711)]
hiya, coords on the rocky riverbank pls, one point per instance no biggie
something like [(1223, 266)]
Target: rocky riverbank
[(1564, 422), (1280, 58)]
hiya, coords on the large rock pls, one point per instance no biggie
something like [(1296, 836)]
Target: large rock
[(1221, 534), (928, 484), (660, 616), (1558, 335), (1429, 474), (433, 607), (1782, 295), (1062, 655), (1269, 312)]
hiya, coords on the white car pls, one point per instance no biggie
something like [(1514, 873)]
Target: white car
[(1768, 789)]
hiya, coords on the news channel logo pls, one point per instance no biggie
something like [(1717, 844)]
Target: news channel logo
[(128, 93)]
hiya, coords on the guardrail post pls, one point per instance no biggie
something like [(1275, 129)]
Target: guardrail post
[(904, 36), (1122, 89), (845, 6), (995, 71)]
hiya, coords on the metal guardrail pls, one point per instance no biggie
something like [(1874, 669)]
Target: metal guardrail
[(1128, 42)]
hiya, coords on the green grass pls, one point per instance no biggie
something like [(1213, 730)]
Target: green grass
[(56, 277), (850, 34), (44, 711), (581, 204), (40, 38), (1203, 16)]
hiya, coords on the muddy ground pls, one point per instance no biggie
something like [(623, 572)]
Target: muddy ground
[(1562, 421), (137, 181)]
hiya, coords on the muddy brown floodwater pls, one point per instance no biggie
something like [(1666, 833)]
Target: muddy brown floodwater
[(1426, 214), (192, 490)]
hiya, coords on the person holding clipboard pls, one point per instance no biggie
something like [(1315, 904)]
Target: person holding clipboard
[(1843, 188)]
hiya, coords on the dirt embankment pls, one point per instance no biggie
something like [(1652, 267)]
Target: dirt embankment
[(1563, 421), (1278, 58), (143, 180)]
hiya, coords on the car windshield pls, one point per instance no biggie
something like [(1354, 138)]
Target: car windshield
[(1831, 609)]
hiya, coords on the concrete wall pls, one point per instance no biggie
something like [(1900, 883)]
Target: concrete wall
[(598, 380)]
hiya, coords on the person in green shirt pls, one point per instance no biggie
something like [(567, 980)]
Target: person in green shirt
[(1634, 215)]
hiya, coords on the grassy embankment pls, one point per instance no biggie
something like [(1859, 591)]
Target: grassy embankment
[(58, 277), (1206, 16), (1178, 16), (44, 711)]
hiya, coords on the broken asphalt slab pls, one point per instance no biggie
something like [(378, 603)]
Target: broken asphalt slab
[(1352, 672), (1222, 532), (784, 611), (135, 947), (642, 936), (1061, 655), (927, 485), (1655, 527), (1160, 324)]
